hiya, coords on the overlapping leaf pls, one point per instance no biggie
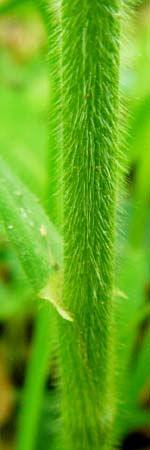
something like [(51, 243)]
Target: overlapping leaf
[(33, 236)]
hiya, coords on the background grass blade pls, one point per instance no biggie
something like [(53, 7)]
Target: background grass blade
[(35, 380)]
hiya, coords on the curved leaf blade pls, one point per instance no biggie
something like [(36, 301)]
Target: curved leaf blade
[(35, 239)]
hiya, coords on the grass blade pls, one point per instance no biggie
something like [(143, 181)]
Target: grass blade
[(35, 381)]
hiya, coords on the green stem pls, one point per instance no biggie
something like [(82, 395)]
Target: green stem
[(90, 69)]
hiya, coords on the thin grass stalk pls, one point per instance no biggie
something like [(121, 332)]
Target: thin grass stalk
[(37, 370)]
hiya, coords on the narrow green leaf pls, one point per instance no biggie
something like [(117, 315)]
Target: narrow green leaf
[(33, 236)]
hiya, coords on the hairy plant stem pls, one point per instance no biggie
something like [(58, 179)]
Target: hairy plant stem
[(90, 68)]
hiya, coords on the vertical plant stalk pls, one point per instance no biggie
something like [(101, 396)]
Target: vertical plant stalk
[(90, 68), (35, 381)]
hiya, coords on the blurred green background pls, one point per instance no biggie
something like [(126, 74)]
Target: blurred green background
[(24, 100)]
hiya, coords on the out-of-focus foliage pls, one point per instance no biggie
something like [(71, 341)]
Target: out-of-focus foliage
[(24, 99)]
